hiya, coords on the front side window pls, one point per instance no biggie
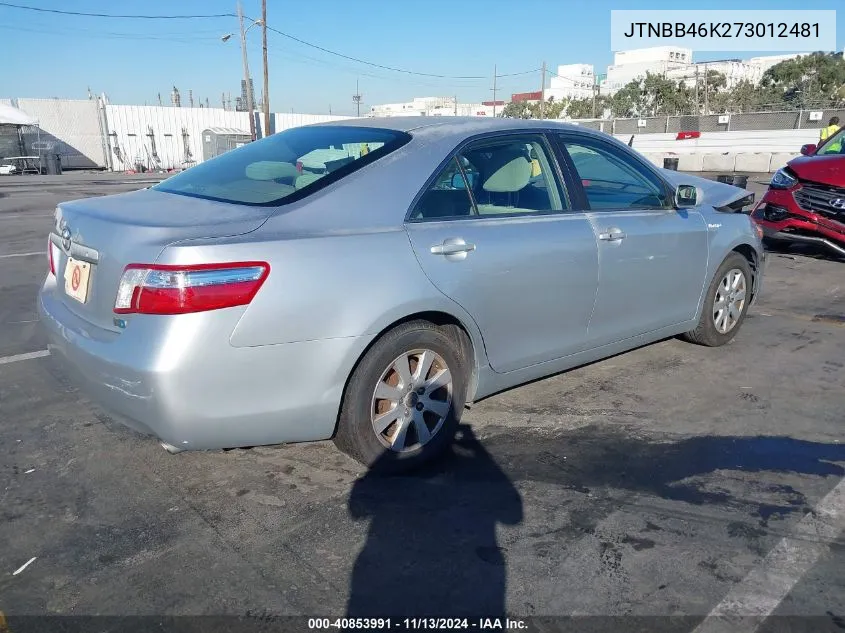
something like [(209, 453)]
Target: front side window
[(284, 166), (505, 176), (612, 181)]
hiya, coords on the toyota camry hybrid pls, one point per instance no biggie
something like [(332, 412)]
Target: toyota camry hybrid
[(362, 280)]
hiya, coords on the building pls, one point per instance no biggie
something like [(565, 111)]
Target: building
[(734, 70), (677, 63), (526, 97), (435, 106), (571, 81), (242, 101), (629, 65)]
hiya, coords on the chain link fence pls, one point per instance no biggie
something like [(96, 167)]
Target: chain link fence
[(774, 120)]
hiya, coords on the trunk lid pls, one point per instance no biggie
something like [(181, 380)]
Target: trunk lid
[(110, 232)]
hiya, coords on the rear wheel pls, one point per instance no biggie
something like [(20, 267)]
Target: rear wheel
[(403, 401), (725, 304)]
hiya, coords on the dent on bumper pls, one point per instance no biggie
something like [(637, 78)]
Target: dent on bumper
[(210, 395)]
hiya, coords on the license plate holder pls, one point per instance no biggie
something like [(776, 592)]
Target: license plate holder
[(77, 279)]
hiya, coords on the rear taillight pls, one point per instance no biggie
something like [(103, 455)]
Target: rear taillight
[(52, 253), (158, 289)]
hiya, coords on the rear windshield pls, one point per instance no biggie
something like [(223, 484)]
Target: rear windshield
[(285, 166)]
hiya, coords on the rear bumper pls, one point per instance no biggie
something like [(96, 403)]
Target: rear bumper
[(192, 391)]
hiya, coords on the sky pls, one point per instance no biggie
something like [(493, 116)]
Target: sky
[(132, 60)]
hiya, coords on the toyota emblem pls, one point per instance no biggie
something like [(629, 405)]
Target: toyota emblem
[(66, 239), (838, 203)]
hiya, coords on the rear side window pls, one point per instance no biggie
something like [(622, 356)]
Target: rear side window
[(286, 166), (506, 176)]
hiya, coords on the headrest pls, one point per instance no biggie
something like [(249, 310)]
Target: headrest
[(510, 177), (270, 170)]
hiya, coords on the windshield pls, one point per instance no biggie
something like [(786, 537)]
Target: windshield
[(285, 166), (834, 145)]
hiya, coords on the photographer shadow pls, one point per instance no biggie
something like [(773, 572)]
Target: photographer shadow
[(431, 549)]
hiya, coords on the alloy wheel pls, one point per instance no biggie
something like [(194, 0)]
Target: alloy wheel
[(729, 301), (411, 400)]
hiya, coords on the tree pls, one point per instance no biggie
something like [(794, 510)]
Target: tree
[(652, 95), (711, 92), (745, 97), (806, 80), (625, 102), (583, 108), (517, 110)]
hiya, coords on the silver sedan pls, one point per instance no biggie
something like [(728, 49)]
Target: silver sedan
[(363, 280)]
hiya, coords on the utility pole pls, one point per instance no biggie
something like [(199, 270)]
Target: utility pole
[(595, 90), (495, 73), (542, 89), (246, 73), (706, 93), (357, 98), (266, 75), (696, 90)]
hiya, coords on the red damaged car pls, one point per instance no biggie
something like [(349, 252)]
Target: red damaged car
[(806, 198)]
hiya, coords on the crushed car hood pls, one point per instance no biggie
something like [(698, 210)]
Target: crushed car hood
[(710, 192), (828, 170)]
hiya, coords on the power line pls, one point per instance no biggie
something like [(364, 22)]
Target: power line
[(109, 35), (384, 67), (113, 15)]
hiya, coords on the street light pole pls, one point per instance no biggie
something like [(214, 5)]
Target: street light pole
[(266, 76), (246, 73)]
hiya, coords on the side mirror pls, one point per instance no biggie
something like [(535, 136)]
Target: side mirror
[(809, 149), (685, 196), (458, 181)]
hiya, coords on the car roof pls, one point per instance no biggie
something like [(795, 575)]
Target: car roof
[(454, 125)]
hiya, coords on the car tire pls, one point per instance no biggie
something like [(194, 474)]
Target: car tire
[(733, 279), (411, 402)]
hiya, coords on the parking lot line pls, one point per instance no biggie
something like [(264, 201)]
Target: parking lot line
[(764, 588), (22, 254), (4, 360)]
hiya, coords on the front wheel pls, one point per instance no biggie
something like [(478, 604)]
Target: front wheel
[(725, 304), (402, 404)]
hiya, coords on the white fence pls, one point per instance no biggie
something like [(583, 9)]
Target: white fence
[(89, 134), (68, 127), (167, 138)]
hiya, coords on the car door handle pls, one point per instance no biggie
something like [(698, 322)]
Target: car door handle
[(452, 246), (612, 235)]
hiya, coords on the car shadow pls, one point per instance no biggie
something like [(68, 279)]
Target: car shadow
[(599, 458)]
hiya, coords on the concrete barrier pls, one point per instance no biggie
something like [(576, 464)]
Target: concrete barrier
[(748, 151), (655, 158), (753, 163), (779, 159), (690, 162), (718, 162)]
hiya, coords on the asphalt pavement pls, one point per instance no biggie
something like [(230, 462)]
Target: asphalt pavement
[(673, 480)]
